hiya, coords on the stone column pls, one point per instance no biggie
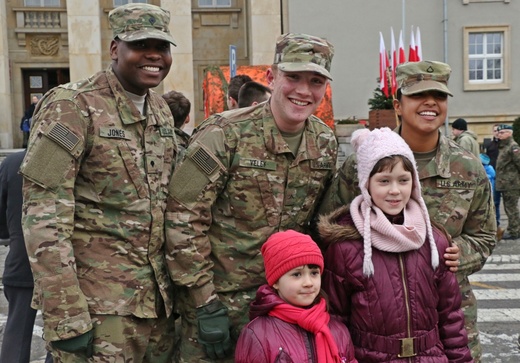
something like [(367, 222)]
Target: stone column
[(84, 38), (180, 77), (265, 20), (6, 128)]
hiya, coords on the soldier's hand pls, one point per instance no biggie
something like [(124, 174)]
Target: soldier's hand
[(452, 258), (213, 326), (82, 344)]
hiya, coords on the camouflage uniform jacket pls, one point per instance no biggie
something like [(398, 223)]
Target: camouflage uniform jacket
[(468, 141), (457, 193), (96, 175), (508, 165), (238, 184)]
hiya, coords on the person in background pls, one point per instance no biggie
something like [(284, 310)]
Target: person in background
[(490, 172), (508, 179), (233, 88), (96, 174), (180, 107), (464, 137), (17, 277), (382, 260), (246, 174), (290, 321), (491, 149), (25, 124), (252, 93), (455, 186)]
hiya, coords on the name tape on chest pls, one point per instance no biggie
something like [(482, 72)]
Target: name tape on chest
[(115, 133), (456, 184), (257, 163)]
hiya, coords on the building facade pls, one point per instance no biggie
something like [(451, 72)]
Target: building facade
[(47, 42)]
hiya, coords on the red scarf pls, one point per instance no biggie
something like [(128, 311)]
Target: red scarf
[(314, 320)]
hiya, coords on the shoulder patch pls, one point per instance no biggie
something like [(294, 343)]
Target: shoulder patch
[(63, 136), (166, 132), (204, 161)]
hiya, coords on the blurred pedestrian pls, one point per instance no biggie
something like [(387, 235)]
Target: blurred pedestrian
[(17, 277), (100, 157), (491, 149), (233, 88), (508, 179), (464, 137), (252, 93), (25, 124), (180, 107)]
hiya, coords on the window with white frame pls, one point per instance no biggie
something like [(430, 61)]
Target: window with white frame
[(214, 3), (486, 56), (42, 3), (124, 2)]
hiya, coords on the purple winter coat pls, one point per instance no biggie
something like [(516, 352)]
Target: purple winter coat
[(266, 339), (404, 298)]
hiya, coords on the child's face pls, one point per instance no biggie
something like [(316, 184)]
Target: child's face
[(391, 189), (299, 286)]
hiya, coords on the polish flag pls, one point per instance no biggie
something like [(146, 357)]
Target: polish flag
[(383, 65), (393, 63), (418, 46), (412, 54), (402, 55)]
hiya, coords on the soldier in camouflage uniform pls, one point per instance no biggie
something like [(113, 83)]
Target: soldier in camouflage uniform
[(454, 184), (96, 175), (507, 180), (247, 173)]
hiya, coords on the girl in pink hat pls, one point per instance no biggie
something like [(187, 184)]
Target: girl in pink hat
[(384, 275)]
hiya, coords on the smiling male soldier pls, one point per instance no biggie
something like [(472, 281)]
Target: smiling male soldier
[(96, 175), (247, 174)]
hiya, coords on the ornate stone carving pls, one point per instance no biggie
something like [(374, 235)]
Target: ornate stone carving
[(47, 45)]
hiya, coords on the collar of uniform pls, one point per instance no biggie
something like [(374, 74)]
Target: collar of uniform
[(275, 143), (127, 111), (442, 159)]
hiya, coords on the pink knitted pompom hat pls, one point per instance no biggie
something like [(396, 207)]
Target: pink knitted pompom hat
[(370, 147)]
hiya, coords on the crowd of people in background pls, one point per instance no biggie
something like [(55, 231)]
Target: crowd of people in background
[(241, 229)]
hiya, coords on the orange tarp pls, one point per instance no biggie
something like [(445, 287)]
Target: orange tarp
[(215, 86)]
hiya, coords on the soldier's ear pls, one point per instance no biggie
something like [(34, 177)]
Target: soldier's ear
[(113, 49)]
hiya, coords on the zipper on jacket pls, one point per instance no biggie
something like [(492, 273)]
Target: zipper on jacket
[(408, 310)]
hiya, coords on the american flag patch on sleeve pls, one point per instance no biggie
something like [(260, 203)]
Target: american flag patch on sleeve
[(63, 136), (204, 161)]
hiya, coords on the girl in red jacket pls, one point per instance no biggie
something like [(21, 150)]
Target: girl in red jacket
[(289, 318), (383, 274)]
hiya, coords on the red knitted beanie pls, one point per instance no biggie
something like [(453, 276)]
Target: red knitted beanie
[(284, 251)]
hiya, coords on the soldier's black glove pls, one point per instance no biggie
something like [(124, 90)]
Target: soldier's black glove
[(82, 344), (213, 324)]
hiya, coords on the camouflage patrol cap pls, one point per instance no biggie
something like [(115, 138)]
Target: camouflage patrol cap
[(417, 77), (137, 21), (302, 52)]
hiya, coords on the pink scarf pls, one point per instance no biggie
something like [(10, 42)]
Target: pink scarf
[(314, 320)]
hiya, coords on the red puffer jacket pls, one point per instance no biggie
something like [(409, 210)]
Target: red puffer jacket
[(406, 311), (267, 339)]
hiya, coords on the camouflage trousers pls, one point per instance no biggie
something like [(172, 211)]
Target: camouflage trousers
[(469, 307), (238, 311), (510, 199), (121, 339)]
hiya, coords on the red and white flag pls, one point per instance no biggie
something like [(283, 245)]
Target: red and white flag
[(412, 54), (383, 65), (418, 46), (393, 63), (402, 55)]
